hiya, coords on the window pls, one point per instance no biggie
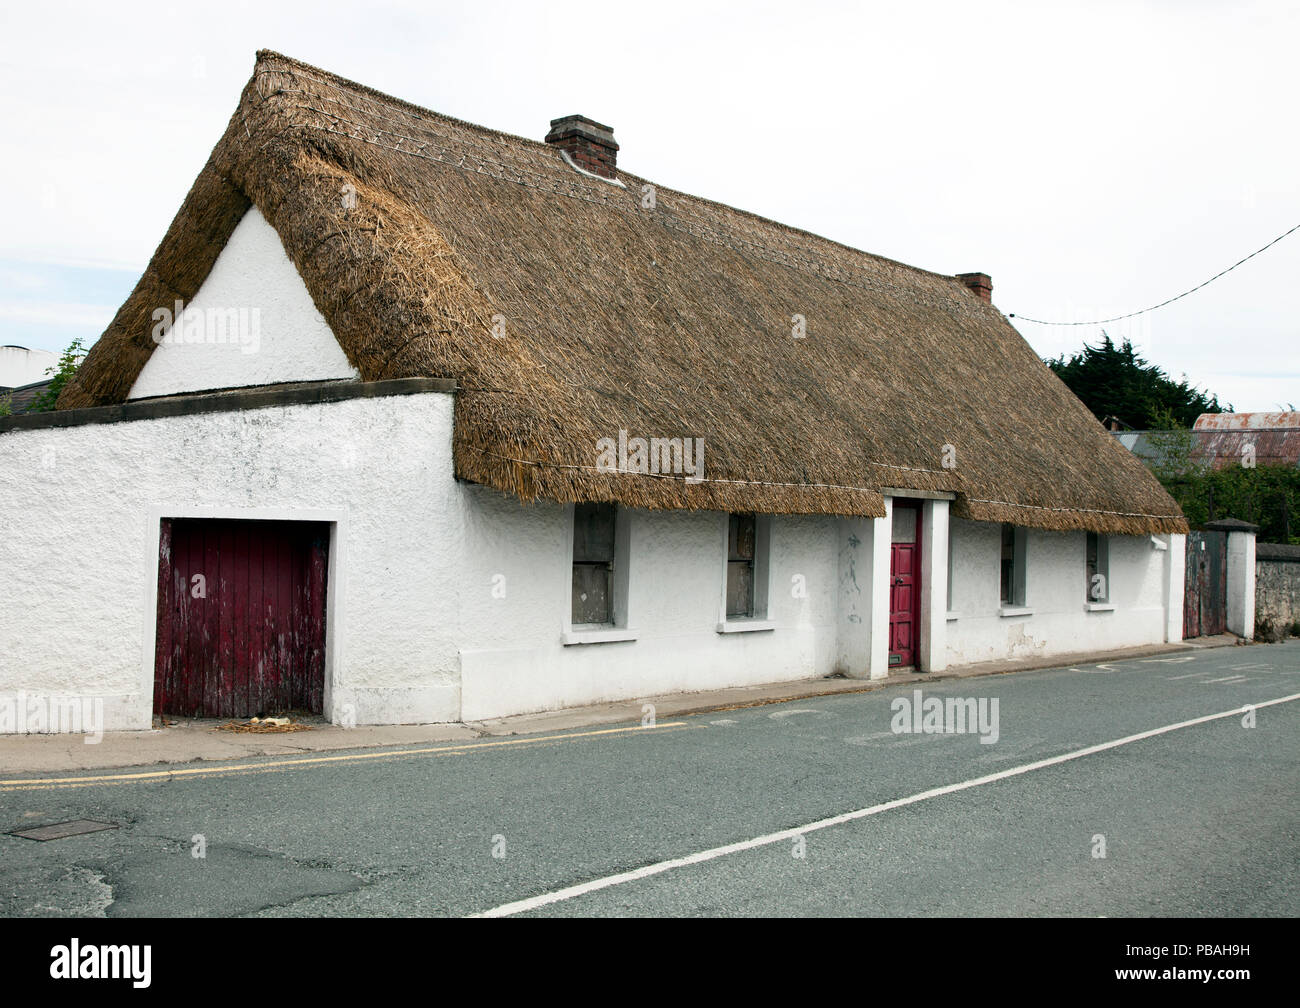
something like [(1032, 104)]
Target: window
[(593, 564), (1013, 566), (1097, 569), (742, 543), (951, 567), (1008, 562), (745, 591), (746, 542), (601, 593)]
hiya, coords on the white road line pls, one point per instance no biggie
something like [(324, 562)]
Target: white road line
[(1175, 678), (582, 889), (1231, 679)]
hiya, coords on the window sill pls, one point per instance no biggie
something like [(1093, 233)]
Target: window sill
[(953, 617), (608, 635), (1005, 611), (746, 625), (1099, 606)]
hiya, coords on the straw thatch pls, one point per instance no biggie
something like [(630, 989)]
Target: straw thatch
[(671, 321)]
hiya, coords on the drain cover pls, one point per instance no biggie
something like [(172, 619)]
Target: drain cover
[(57, 831)]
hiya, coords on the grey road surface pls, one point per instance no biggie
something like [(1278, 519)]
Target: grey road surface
[(1202, 820)]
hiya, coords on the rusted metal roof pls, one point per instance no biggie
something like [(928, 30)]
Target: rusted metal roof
[(1221, 439)]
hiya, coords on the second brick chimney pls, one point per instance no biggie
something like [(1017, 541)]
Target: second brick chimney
[(980, 283), (589, 144)]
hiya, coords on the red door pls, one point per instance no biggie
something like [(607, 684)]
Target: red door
[(904, 587), (241, 617)]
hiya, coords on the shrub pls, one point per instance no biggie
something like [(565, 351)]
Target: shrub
[(1268, 632), (69, 361)]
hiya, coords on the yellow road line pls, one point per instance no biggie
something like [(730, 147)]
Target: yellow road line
[(38, 783)]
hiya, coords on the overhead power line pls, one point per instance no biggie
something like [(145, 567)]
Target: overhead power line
[(1120, 318)]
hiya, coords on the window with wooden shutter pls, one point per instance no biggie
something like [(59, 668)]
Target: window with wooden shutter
[(1014, 573), (1096, 569), (741, 546), (593, 564)]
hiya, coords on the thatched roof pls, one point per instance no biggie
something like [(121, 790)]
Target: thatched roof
[(668, 322)]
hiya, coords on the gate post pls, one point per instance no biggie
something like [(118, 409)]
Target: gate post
[(1241, 574), (1175, 574), (881, 537), (933, 619)]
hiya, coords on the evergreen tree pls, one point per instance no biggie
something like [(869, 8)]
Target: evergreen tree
[(1116, 381)]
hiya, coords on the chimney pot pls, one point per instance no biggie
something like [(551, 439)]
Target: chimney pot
[(590, 145), (980, 283)]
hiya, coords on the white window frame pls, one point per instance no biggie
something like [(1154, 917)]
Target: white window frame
[(619, 629), (760, 620), (1018, 604), (950, 613), (1105, 603)]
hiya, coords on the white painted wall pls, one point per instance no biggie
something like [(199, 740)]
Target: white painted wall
[(856, 564), (80, 549), (882, 534), (415, 632), (1175, 585), (514, 661), (932, 654), (1241, 584), (21, 366), (280, 336), (1060, 622)]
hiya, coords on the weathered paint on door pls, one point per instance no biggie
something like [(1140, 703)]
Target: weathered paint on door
[(241, 617), (904, 587), (1205, 600)]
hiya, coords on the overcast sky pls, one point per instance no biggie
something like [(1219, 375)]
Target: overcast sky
[(1093, 158)]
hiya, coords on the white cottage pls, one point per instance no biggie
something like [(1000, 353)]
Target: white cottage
[(410, 420)]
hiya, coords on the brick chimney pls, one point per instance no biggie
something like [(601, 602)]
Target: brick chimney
[(980, 283), (589, 144)]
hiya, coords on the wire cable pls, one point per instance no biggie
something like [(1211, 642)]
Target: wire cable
[(1119, 318)]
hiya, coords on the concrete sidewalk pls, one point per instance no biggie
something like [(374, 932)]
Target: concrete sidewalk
[(199, 739)]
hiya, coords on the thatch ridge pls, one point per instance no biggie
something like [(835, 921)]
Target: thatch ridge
[(567, 311), (421, 111)]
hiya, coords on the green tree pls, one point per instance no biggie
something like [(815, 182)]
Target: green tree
[(1171, 450), (1117, 381), (1267, 495), (69, 361)]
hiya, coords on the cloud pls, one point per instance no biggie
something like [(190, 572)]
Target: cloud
[(1111, 159)]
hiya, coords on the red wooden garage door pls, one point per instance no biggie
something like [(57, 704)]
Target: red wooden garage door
[(241, 617)]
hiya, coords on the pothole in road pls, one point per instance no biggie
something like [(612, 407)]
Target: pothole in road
[(59, 831)]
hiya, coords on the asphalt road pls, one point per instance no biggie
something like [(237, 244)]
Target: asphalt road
[(1202, 820)]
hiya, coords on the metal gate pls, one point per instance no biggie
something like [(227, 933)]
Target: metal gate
[(241, 617), (1205, 600)]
